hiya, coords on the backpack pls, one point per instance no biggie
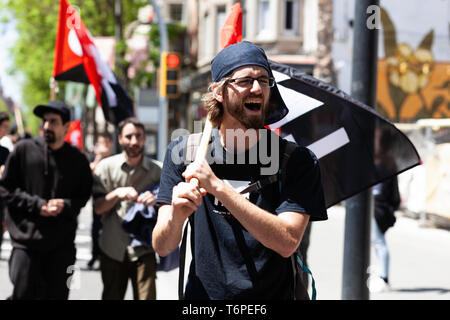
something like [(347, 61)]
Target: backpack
[(386, 203), (300, 291)]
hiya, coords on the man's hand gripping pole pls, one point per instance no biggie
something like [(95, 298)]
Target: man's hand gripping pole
[(203, 147)]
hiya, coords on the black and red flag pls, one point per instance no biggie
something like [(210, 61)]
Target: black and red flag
[(75, 134), (78, 59)]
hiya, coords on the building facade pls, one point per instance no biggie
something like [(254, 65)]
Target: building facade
[(285, 29)]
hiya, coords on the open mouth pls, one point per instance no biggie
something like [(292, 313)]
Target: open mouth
[(253, 106)]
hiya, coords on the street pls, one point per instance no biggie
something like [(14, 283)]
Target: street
[(420, 262), (420, 259)]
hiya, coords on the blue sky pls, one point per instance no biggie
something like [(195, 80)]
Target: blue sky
[(10, 84)]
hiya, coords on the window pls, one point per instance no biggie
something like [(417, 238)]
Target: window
[(264, 17), (176, 12), (291, 16), (209, 34), (221, 17)]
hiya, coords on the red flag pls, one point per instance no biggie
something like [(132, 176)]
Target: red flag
[(75, 135), (231, 31), (68, 53), (78, 59)]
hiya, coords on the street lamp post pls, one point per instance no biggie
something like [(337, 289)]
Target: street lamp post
[(163, 102), (359, 208)]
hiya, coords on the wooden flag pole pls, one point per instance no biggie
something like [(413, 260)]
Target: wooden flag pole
[(19, 121), (53, 88), (203, 146)]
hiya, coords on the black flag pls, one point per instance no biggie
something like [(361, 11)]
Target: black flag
[(340, 131)]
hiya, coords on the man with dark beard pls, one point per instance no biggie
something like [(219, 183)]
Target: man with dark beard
[(45, 184), (119, 182), (248, 221)]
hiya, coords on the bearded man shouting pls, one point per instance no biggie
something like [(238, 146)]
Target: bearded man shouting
[(246, 222)]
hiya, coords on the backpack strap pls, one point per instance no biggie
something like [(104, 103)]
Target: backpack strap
[(249, 263), (288, 148), (300, 291), (280, 176), (182, 262), (306, 269), (191, 149), (261, 183)]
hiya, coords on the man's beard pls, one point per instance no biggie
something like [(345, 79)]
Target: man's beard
[(133, 152), (237, 111), (49, 136)]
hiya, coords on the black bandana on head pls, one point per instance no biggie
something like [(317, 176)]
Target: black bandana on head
[(247, 54)]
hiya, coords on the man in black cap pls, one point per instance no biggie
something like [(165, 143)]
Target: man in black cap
[(46, 183), (242, 240)]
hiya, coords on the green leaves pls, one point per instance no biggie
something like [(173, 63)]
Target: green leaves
[(36, 23)]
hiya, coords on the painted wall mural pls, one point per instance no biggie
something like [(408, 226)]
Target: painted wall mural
[(411, 84)]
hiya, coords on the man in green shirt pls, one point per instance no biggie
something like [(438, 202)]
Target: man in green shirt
[(119, 182)]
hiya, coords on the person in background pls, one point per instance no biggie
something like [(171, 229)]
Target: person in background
[(4, 153), (386, 201), (102, 149), (45, 184), (118, 182), (4, 130), (5, 140)]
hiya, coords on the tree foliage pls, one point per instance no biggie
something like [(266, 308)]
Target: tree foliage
[(36, 23)]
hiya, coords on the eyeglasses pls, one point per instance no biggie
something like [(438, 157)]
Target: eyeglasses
[(247, 82)]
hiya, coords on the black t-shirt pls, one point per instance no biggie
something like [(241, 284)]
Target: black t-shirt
[(219, 269), (4, 153)]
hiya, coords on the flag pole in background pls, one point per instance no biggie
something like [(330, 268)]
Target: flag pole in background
[(19, 121), (163, 103), (53, 88)]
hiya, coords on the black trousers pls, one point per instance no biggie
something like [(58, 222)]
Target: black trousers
[(2, 224), (95, 233), (41, 275)]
